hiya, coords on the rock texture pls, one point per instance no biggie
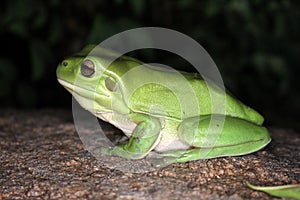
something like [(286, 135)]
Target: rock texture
[(42, 157)]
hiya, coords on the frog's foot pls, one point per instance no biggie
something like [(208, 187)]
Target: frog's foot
[(171, 154), (158, 162), (103, 150), (118, 151), (163, 159), (177, 156)]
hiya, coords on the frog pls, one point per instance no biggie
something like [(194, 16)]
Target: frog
[(115, 89)]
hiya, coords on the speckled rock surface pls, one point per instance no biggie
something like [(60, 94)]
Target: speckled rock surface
[(42, 157)]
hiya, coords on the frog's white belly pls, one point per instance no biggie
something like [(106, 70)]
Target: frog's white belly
[(168, 140), (120, 121)]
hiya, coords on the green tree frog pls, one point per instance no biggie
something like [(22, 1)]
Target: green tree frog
[(150, 114)]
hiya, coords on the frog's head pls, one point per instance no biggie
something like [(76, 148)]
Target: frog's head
[(92, 83)]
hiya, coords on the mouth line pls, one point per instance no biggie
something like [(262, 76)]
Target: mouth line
[(76, 89)]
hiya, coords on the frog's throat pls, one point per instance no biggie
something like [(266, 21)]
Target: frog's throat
[(78, 89)]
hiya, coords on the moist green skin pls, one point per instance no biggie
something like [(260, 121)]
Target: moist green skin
[(163, 112)]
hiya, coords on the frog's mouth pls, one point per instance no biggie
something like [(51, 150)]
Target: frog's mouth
[(78, 90)]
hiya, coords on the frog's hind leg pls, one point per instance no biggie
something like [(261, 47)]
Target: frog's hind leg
[(215, 136), (176, 156)]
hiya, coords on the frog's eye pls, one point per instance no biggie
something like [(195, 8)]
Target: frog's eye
[(87, 68), (111, 84)]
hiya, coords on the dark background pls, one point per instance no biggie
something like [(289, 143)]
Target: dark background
[(255, 45)]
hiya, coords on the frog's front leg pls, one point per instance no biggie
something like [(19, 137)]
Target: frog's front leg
[(143, 139), (210, 140)]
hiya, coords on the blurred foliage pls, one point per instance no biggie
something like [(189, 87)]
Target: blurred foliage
[(254, 43)]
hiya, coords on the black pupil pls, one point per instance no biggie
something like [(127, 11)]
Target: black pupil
[(65, 63), (87, 68)]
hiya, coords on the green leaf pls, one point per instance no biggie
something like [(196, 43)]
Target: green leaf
[(39, 53), (55, 30), (40, 14), (18, 10), (102, 28), (26, 95), (8, 75), (286, 191), (16, 15), (185, 3), (213, 8), (119, 1), (138, 6)]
